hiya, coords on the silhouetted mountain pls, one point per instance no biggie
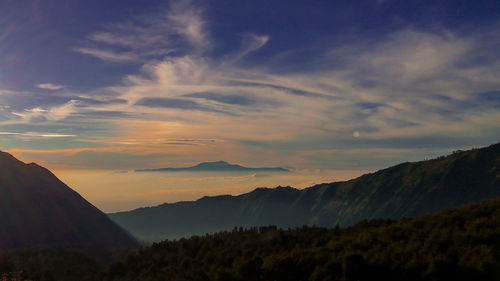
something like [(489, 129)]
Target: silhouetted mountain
[(404, 190), (218, 166), (37, 209)]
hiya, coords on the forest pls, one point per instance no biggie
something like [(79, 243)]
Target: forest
[(455, 244)]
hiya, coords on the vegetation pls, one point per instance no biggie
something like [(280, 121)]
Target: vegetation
[(457, 244), (53, 263)]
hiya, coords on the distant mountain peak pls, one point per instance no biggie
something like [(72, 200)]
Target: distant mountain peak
[(216, 166), (215, 163)]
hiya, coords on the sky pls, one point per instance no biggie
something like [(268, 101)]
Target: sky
[(329, 89)]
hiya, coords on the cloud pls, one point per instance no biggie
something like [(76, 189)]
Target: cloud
[(109, 55), (49, 86), (227, 99), (38, 135), (172, 31), (54, 113), (187, 20), (410, 55), (407, 88), (250, 42), (191, 142), (63, 111), (284, 89), (405, 72), (171, 103), (105, 114)]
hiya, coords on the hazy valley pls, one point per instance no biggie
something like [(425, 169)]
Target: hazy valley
[(332, 230), (404, 190)]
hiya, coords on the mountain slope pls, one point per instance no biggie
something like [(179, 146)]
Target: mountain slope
[(404, 190), (218, 166), (37, 209), (455, 244)]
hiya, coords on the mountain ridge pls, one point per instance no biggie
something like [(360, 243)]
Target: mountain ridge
[(405, 190)]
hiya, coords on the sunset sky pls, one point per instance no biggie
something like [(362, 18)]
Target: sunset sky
[(339, 86)]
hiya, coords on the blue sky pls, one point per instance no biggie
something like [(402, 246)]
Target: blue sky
[(323, 84)]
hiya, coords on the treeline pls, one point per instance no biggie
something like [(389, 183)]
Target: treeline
[(51, 264), (458, 244), (461, 244)]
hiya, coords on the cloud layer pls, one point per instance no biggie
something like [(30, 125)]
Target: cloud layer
[(410, 93)]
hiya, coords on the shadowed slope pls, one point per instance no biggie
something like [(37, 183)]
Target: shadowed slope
[(37, 209)]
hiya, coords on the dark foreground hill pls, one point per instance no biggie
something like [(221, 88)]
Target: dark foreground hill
[(37, 209), (405, 190), (456, 244)]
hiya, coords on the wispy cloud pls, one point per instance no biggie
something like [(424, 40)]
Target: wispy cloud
[(173, 30), (38, 135), (188, 21), (109, 55), (54, 113), (381, 93), (50, 86)]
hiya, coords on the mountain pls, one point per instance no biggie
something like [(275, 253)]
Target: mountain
[(37, 209), (404, 190), (218, 166), (455, 244)]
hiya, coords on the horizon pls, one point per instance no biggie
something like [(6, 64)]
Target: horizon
[(215, 183), (90, 89), (126, 189)]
